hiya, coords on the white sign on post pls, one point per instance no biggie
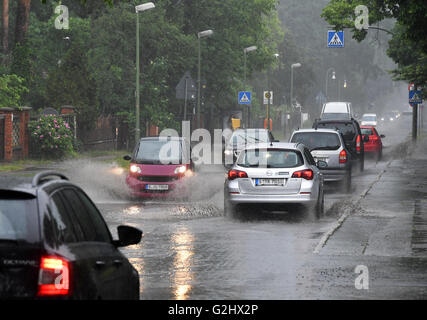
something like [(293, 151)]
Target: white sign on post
[(268, 95)]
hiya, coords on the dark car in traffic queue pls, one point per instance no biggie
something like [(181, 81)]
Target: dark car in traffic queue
[(55, 244), (353, 138)]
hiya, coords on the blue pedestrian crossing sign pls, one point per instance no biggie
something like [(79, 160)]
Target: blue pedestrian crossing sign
[(244, 97), (335, 39), (415, 97)]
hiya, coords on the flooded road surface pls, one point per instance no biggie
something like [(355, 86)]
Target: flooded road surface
[(190, 250)]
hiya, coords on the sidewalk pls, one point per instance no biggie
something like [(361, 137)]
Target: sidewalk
[(391, 219)]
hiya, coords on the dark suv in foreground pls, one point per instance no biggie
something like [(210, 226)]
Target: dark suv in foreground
[(54, 243), (353, 138)]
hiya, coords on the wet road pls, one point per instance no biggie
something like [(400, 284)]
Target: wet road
[(190, 250)]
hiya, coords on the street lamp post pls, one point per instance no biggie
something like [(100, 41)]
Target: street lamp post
[(200, 35), (245, 51), (139, 8), (327, 78), (295, 65)]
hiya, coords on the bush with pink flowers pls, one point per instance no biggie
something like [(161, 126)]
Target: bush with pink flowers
[(51, 136)]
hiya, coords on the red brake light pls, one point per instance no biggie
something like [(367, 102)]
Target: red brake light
[(233, 174), (358, 143), (305, 174), (343, 156), (54, 277)]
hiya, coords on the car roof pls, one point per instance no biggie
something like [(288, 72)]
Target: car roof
[(335, 120), (31, 183), (316, 130), (274, 145), (156, 138)]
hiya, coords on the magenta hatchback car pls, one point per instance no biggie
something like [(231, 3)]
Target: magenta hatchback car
[(159, 167)]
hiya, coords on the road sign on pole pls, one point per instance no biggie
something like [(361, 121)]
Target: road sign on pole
[(335, 39), (268, 97), (245, 97), (415, 97)]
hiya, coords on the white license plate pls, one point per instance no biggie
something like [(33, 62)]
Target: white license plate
[(269, 182), (321, 159), (157, 187)]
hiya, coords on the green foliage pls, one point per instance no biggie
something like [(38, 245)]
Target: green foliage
[(408, 36), (11, 90), (52, 136)]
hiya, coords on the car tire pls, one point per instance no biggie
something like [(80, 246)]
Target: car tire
[(347, 182), (230, 209), (380, 155), (319, 209)]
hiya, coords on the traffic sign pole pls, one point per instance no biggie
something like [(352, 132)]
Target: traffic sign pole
[(415, 122)]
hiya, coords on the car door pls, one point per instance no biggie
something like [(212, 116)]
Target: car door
[(101, 260)]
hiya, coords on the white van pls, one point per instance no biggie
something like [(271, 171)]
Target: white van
[(336, 111)]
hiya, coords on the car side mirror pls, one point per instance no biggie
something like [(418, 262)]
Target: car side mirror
[(127, 236), (382, 135), (365, 138), (321, 164), (127, 157)]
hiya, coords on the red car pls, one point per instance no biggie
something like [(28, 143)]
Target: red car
[(159, 166), (374, 145)]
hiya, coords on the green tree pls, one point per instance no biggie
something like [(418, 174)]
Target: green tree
[(11, 90)]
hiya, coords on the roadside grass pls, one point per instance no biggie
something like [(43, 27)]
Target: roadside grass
[(22, 164), (10, 167)]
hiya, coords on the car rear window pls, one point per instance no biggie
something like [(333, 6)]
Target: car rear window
[(318, 140), (347, 129), (366, 131), (335, 116), (270, 158), (369, 118), (248, 137), (18, 218)]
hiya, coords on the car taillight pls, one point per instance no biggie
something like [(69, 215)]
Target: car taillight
[(343, 156), (358, 143), (233, 174), (54, 277), (305, 174)]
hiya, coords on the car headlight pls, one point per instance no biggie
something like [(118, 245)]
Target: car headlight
[(135, 169), (382, 119), (228, 152), (180, 169)]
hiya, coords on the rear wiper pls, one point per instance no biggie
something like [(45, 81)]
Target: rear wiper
[(326, 148), (12, 241)]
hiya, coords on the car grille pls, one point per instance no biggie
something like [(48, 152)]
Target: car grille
[(157, 178)]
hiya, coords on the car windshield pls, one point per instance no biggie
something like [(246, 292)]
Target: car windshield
[(369, 118), (318, 140), (347, 129), (159, 152), (366, 131), (248, 136), (270, 158), (18, 221)]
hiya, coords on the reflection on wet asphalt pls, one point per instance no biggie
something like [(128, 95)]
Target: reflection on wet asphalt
[(190, 250)]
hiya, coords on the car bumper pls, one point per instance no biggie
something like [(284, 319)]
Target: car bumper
[(334, 175), (298, 198), (139, 189), (373, 148)]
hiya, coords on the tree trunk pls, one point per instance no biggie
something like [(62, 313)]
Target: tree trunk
[(22, 19), (5, 27)]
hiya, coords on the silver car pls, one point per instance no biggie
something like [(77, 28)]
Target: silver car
[(275, 173), (327, 145), (240, 138)]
